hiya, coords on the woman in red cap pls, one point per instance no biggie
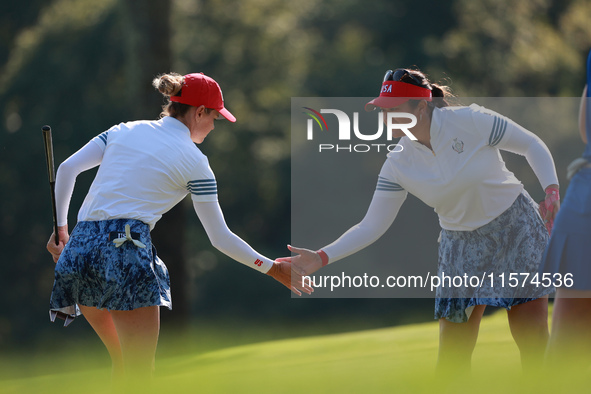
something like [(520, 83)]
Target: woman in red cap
[(489, 222), (108, 267)]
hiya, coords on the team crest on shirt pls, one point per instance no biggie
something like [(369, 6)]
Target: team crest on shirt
[(458, 145)]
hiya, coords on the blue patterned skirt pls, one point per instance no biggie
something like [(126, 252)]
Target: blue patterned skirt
[(93, 271), (513, 243), (569, 250)]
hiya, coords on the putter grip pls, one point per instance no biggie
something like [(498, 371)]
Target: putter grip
[(49, 153), (51, 174)]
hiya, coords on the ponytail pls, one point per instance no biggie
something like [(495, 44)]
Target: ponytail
[(169, 85), (441, 94)]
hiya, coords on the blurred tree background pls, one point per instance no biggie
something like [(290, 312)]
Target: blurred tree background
[(84, 66)]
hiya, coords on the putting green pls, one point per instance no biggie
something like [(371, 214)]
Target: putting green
[(399, 359)]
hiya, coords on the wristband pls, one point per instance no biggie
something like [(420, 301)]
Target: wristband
[(552, 195), (323, 257), (552, 191)]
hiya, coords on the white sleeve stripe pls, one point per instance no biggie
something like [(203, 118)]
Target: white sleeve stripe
[(201, 181), (382, 179), (202, 189), (498, 131), (206, 190)]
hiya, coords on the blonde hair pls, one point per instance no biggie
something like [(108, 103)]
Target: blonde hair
[(169, 85)]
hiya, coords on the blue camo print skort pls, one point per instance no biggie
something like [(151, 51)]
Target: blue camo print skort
[(514, 242), (92, 271)]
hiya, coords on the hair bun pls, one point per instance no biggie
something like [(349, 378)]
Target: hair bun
[(168, 84)]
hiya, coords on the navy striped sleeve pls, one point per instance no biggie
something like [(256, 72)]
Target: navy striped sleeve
[(388, 186), (202, 187), (498, 131), (101, 139)]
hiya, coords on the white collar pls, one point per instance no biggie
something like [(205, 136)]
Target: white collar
[(174, 123)]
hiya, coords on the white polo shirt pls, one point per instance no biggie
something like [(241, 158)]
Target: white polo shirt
[(147, 168), (464, 177)]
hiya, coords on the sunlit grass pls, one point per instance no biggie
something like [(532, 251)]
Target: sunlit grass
[(399, 359)]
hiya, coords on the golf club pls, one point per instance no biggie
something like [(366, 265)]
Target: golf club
[(51, 173)]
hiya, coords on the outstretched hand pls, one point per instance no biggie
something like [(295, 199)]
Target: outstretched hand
[(305, 263), (282, 272)]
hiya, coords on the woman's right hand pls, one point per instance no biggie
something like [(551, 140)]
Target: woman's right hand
[(305, 263), (56, 250)]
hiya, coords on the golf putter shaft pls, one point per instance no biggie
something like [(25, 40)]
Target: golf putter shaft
[(51, 173)]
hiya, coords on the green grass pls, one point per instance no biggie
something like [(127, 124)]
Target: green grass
[(399, 359)]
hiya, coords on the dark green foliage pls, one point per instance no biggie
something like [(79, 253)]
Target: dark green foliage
[(83, 66)]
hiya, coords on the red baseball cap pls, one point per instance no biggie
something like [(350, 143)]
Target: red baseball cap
[(199, 89), (394, 93)]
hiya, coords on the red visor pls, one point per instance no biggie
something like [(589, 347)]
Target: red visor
[(394, 93)]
